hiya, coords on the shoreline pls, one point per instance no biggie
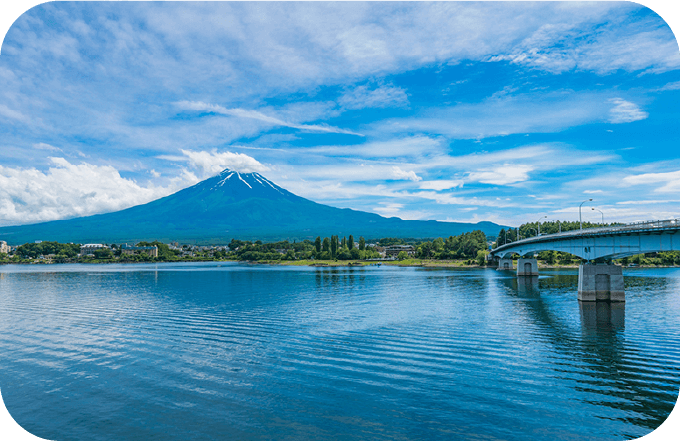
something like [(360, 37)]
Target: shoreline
[(413, 263)]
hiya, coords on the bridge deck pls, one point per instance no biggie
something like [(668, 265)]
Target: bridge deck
[(594, 243)]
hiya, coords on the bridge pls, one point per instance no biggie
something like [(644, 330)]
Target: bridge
[(599, 279)]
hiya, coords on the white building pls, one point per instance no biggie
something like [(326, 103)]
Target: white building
[(394, 250), (3, 247), (90, 248)]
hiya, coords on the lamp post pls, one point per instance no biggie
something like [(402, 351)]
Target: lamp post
[(539, 223), (580, 222), (595, 209)]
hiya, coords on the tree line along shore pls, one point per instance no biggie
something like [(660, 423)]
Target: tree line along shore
[(467, 249)]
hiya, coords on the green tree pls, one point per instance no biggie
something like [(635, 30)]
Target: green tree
[(104, 253), (317, 244), (334, 246), (362, 243), (344, 242), (326, 245), (344, 254), (387, 241), (350, 242), (481, 257), (402, 255)]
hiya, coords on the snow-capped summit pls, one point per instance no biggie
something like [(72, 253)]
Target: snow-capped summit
[(254, 181)]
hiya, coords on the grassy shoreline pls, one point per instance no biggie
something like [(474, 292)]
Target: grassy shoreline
[(423, 263)]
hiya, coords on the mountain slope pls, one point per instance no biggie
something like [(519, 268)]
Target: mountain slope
[(232, 205)]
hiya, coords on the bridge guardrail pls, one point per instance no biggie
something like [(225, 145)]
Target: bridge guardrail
[(633, 226)]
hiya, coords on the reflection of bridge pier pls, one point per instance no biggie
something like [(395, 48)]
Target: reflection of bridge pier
[(602, 315)]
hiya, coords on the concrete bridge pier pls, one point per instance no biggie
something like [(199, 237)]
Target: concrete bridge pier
[(505, 264), (527, 267), (600, 282)]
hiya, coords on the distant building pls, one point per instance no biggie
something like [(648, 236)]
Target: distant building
[(127, 249), (394, 250), (90, 248), (3, 247)]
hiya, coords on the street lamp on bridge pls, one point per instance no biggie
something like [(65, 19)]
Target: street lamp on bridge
[(580, 222), (506, 237), (595, 209), (539, 224)]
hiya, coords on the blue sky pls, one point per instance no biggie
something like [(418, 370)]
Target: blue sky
[(506, 112)]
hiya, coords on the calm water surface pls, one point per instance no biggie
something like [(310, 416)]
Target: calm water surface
[(235, 351)]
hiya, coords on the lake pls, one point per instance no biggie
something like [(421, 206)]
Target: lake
[(252, 352)]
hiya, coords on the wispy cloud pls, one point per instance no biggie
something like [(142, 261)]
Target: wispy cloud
[(12, 114), (507, 114), (669, 86), (48, 147), (363, 97), (407, 146), (256, 115), (565, 45), (625, 112), (670, 179)]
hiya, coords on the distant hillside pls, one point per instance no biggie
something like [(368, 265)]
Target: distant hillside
[(232, 205)]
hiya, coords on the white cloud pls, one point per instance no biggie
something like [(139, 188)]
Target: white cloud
[(254, 114), (670, 86), (388, 209), (613, 214), (384, 96), (440, 185), (592, 191), (502, 175), (48, 147), (392, 148), (564, 45), (12, 114), (503, 114), (652, 202), (479, 218), (449, 199), (211, 163), (625, 112), (671, 180), (66, 190), (398, 173)]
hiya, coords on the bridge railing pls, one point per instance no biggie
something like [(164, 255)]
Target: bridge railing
[(633, 226)]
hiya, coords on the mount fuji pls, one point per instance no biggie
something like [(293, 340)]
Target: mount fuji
[(232, 205)]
